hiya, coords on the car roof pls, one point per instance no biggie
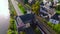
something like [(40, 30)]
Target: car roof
[(55, 17)]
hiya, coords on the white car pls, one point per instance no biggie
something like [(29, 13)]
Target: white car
[(54, 21)]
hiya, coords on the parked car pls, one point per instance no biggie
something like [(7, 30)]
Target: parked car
[(55, 19)]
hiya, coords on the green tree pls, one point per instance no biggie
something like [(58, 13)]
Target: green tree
[(36, 7)]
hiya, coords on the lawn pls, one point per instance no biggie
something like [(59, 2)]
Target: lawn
[(22, 9), (55, 27), (12, 27), (58, 12), (37, 31)]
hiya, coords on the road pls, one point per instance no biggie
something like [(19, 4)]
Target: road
[(16, 7), (43, 25), (26, 7), (4, 16)]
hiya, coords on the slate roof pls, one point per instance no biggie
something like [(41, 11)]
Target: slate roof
[(27, 18)]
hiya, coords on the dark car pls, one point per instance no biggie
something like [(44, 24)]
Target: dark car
[(55, 19)]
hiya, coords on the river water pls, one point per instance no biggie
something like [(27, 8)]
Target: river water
[(4, 16)]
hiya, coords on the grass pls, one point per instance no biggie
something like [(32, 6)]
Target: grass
[(55, 27), (12, 26), (37, 31), (22, 9), (57, 11)]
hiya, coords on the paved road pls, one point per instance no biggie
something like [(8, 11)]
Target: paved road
[(43, 25), (26, 8), (4, 16), (16, 7)]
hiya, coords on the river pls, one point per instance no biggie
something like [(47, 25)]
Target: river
[(4, 16)]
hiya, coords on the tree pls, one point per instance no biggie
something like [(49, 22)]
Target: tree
[(36, 7)]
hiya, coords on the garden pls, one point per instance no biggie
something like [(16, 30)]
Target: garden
[(12, 26)]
